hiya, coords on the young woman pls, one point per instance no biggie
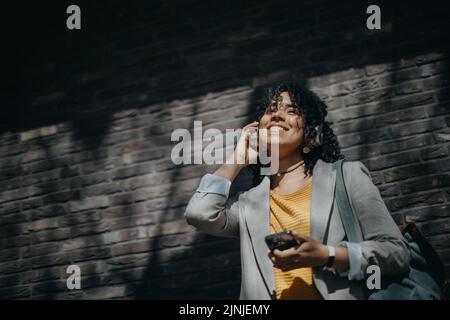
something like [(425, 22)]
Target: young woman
[(299, 197)]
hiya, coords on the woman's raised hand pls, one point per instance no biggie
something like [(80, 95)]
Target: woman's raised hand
[(246, 149), (244, 154)]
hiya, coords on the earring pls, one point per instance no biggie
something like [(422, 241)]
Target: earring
[(306, 149)]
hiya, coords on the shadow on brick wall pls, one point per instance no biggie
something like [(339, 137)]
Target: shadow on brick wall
[(85, 77)]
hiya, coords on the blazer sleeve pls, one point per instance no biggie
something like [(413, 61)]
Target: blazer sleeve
[(211, 211), (383, 243)]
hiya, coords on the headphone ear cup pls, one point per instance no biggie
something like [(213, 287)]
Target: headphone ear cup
[(319, 136)]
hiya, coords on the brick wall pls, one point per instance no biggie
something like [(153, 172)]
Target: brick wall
[(85, 170)]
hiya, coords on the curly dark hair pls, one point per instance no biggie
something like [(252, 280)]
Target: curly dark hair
[(313, 111)]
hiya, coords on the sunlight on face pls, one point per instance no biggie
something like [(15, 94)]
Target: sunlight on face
[(283, 118)]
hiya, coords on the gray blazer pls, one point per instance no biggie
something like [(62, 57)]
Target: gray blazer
[(246, 216)]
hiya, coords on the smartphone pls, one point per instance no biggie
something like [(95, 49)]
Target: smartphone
[(281, 240)]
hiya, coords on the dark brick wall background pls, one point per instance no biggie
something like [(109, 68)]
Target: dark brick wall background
[(85, 170)]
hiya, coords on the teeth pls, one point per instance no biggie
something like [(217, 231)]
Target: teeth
[(276, 129)]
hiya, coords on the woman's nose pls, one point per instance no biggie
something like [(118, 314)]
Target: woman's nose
[(277, 114)]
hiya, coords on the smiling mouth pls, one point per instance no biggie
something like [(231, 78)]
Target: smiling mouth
[(276, 128)]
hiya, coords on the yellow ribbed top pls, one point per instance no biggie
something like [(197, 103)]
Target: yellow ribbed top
[(292, 212)]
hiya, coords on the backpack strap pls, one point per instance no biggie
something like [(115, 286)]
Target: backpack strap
[(345, 210)]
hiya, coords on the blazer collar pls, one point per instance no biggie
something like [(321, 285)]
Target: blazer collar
[(257, 215)]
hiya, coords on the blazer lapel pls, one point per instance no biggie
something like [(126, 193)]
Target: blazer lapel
[(324, 180), (257, 222)]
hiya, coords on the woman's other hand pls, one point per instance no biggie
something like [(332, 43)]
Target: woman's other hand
[(307, 253)]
